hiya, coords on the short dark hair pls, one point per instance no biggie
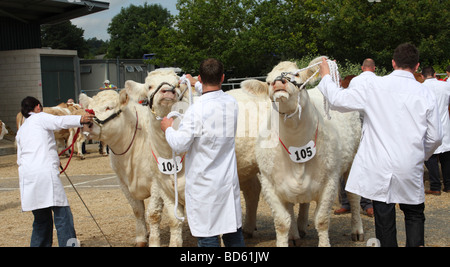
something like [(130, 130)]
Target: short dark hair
[(428, 72), (28, 105), (406, 56), (211, 71)]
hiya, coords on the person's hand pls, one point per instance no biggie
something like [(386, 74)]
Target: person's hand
[(191, 79), (87, 118), (324, 68), (166, 123)]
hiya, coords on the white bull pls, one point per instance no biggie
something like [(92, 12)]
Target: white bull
[(123, 125), (303, 156)]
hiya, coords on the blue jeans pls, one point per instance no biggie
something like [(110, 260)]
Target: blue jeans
[(42, 235), (235, 239)]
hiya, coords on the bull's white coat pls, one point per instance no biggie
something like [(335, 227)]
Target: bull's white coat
[(285, 182)]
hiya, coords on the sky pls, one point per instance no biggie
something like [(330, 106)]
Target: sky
[(96, 25)]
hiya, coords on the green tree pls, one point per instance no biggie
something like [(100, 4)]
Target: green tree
[(203, 29), (356, 29), (64, 35), (96, 46), (251, 36), (128, 29), (281, 30)]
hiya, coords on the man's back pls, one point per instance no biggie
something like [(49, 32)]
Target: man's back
[(207, 133), (400, 130), (442, 91)]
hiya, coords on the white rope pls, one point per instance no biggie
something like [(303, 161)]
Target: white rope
[(175, 176), (184, 80), (334, 72)]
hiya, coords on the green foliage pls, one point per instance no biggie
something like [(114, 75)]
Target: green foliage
[(357, 29), (251, 36), (129, 30), (64, 35)]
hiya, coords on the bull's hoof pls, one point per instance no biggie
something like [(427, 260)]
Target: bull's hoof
[(295, 242), (357, 237), (141, 244)]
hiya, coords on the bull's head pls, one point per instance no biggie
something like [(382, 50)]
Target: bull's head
[(106, 105), (286, 84), (163, 91)]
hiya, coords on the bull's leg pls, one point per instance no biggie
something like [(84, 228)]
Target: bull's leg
[(280, 213), (302, 220), (294, 237), (176, 228), (139, 213), (323, 210), (104, 150), (357, 227), (154, 211), (175, 225), (251, 190), (79, 145)]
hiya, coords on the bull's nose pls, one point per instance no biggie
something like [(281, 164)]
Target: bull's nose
[(277, 85)]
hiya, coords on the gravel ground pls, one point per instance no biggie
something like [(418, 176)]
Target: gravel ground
[(97, 185)]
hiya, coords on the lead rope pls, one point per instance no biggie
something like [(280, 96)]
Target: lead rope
[(90, 213), (334, 72), (172, 114), (175, 176)]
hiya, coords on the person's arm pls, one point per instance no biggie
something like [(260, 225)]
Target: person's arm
[(54, 123), (340, 99), (433, 136), (180, 140)]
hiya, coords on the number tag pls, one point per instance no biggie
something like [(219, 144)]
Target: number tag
[(302, 154), (167, 166)]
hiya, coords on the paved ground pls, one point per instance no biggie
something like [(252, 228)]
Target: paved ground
[(98, 186)]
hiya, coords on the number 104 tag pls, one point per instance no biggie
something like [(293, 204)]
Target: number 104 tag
[(302, 154), (167, 166)]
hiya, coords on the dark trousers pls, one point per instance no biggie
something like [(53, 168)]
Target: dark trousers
[(433, 171), (385, 226), (42, 235), (235, 239)]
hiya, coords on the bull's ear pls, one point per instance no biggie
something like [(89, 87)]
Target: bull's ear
[(123, 97), (84, 100), (255, 87), (135, 90)]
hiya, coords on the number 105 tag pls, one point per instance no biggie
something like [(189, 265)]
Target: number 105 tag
[(167, 166), (302, 154)]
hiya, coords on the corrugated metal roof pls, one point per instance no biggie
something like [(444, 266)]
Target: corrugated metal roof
[(49, 11)]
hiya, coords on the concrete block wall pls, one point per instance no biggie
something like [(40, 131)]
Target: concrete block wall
[(20, 76)]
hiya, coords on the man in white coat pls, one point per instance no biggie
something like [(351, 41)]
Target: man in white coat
[(401, 130), (442, 154), (41, 189), (207, 132)]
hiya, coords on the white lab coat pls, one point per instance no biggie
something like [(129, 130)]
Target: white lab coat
[(401, 130), (207, 133), (362, 78), (442, 91), (37, 157)]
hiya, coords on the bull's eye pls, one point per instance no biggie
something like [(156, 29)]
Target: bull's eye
[(150, 87), (108, 108)]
